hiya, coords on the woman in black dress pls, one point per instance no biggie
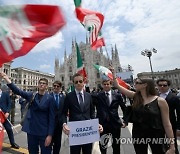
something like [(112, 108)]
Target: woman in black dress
[(150, 118)]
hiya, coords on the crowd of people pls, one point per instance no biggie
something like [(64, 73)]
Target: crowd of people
[(155, 114)]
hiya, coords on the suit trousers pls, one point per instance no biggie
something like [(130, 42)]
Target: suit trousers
[(35, 141), (110, 134), (57, 138), (9, 131), (86, 149)]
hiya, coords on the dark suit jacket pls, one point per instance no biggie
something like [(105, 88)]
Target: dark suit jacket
[(174, 110), (59, 111), (5, 102), (40, 118), (72, 106), (108, 114)]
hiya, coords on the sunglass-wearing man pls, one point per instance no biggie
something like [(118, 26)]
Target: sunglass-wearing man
[(174, 106), (80, 107), (59, 103)]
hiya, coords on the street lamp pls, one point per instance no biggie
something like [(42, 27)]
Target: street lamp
[(148, 53)]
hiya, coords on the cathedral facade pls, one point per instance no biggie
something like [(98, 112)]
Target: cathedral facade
[(68, 68)]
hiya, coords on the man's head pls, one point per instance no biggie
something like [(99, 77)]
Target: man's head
[(106, 84), (78, 81), (163, 85), (43, 84), (57, 86)]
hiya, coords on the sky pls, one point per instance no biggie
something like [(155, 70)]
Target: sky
[(133, 25)]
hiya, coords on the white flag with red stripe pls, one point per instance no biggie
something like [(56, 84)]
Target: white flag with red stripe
[(93, 22), (22, 27)]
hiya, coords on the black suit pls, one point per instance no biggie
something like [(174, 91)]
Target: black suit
[(174, 114), (58, 124), (72, 106), (109, 118)]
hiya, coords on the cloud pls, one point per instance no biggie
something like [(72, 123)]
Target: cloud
[(47, 45), (44, 66)]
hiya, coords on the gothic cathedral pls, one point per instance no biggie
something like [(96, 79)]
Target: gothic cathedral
[(65, 71)]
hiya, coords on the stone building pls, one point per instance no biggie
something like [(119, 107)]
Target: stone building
[(65, 71), (172, 75), (27, 79)]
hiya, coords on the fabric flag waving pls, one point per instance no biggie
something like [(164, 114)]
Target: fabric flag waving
[(22, 27), (80, 65), (1, 136), (99, 42), (106, 72), (91, 20)]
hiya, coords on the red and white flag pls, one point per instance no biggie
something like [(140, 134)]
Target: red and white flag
[(107, 73), (22, 27), (93, 22)]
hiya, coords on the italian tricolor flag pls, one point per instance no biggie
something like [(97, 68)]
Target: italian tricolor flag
[(93, 22), (80, 65), (105, 71), (23, 26)]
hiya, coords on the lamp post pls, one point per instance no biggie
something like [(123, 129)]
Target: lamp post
[(148, 53)]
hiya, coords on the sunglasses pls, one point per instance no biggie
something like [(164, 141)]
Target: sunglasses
[(42, 83), (138, 82), (162, 85), (80, 81), (56, 86)]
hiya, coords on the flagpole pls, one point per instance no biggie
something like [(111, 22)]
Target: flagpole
[(12, 126)]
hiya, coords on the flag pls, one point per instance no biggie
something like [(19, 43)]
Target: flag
[(2, 117), (92, 21), (71, 88), (80, 65), (77, 3), (22, 27), (105, 72), (1, 136), (99, 42)]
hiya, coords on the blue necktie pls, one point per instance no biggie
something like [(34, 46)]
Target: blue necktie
[(57, 100)]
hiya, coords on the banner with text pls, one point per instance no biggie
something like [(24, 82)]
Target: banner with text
[(83, 132)]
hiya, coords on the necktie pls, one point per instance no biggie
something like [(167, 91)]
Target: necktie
[(81, 101), (107, 95), (57, 100)]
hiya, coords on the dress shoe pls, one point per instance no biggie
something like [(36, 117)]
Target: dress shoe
[(15, 146)]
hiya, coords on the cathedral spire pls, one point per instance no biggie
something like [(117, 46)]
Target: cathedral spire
[(87, 40), (65, 56), (112, 52), (72, 43)]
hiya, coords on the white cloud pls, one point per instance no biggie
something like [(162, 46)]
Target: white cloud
[(46, 45), (44, 66)]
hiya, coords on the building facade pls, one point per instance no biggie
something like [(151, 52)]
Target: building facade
[(172, 75), (68, 68), (27, 79)]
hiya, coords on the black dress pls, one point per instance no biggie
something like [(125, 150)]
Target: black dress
[(148, 128)]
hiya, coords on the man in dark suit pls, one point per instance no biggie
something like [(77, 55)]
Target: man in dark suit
[(80, 107), (59, 103), (174, 106), (40, 119), (5, 106), (108, 103)]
